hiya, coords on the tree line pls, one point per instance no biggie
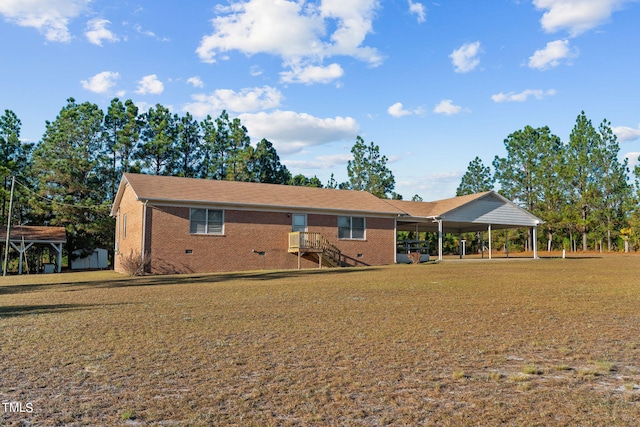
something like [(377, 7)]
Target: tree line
[(580, 188), (70, 177)]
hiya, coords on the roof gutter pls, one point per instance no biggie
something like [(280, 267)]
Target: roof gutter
[(283, 208)]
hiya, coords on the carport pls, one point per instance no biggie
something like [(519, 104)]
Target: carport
[(24, 237), (476, 212)]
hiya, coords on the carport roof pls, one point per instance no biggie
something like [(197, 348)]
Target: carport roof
[(35, 234), (474, 212)]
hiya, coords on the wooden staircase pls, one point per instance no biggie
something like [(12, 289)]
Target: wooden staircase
[(316, 247)]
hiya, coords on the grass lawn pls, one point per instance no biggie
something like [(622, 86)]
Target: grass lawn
[(478, 343)]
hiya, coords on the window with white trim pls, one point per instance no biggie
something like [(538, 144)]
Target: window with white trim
[(206, 221), (351, 227), (299, 222)]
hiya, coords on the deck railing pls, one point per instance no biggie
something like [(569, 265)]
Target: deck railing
[(304, 241)]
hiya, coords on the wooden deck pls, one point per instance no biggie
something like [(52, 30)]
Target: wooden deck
[(303, 243)]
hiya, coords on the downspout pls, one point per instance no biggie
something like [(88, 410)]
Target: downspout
[(439, 239), (144, 232), (395, 240)]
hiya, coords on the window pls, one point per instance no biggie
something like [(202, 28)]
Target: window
[(351, 227), (124, 226), (299, 222), (206, 221)]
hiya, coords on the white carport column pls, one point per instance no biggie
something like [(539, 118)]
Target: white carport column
[(439, 240), (489, 230), (535, 242)]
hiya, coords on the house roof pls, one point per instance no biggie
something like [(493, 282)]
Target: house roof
[(437, 208), (35, 234), (473, 212), (171, 190)]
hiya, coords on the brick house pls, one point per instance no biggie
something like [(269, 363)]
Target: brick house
[(194, 225), (187, 225)]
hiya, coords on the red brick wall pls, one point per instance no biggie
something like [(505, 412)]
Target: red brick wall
[(131, 244), (253, 241)]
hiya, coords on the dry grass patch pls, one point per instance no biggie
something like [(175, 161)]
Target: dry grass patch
[(440, 344)]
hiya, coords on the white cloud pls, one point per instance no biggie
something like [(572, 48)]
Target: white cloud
[(291, 132), (247, 100), (551, 55), (522, 96), (446, 106), (625, 133), (419, 10), (321, 162), (312, 74), (144, 107), (150, 85), (97, 32), (311, 34), (255, 71), (50, 17), (465, 58), (576, 16), (101, 82), (195, 81), (397, 110)]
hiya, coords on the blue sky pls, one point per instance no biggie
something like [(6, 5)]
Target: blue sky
[(434, 84)]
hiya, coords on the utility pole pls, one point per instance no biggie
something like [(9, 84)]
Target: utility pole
[(6, 248)]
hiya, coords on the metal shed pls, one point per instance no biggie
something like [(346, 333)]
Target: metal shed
[(98, 259)]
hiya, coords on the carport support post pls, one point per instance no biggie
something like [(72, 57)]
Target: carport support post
[(489, 229), (535, 241), (59, 249), (506, 241)]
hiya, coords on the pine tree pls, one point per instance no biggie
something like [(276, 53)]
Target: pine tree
[(529, 174), (14, 161), (68, 165), (615, 191), (368, 170), (581, 175), (476, 179), (265, 165), (121, 134), (302, 181), (159, 134), (188, 149)]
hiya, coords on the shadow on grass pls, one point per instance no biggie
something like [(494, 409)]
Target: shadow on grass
[(178, 280), (23, 310)]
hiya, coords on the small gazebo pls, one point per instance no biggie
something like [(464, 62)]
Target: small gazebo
[(24, 237)]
